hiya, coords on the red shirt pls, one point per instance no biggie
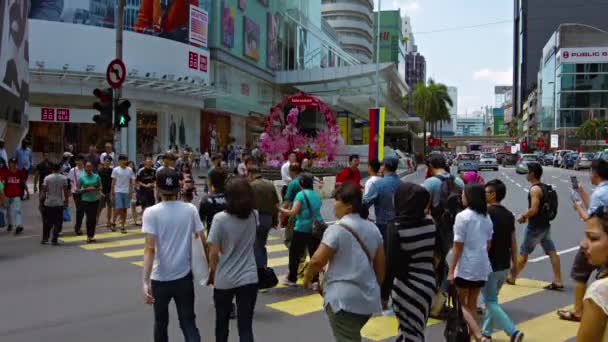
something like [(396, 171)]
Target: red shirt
[(348, 175), (12, 182)]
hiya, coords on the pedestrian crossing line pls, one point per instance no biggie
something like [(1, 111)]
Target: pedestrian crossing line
[(276, 248), (102, 236), (537, 329), (299, 306), (380, 328), (280, 261), (125, 254), (524, 287), (138, 263), (114, 244)]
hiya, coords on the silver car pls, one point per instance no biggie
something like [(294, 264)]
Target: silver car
[(488, 161), (467, 162)]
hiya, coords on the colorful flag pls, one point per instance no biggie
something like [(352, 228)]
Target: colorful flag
[(376, 133)]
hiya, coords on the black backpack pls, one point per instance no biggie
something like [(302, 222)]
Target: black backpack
[(550, 202), (445, 214)]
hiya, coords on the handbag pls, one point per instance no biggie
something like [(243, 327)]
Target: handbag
[(66, 215), (318, 227), (199, 264), (456, 328), (267, 278)]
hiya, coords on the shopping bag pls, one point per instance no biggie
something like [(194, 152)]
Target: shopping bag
[(456, 329), (200, 266), (66, 215), (267, 278)]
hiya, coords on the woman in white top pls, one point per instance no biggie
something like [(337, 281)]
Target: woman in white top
[(354, 250), (470, 264), (594, 322)]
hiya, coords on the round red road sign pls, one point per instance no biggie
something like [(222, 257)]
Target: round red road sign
[(116, 73)]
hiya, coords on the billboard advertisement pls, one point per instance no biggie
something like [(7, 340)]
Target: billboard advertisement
[(584, 55), (499, 125), (199, 26), (14, 71), (251, 39), (272, 41), (168, 19)]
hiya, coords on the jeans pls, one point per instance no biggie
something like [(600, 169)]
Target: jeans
[(90, 209), (346, 326), (300, 242), (534, 236), (182, 292), (261, 237), (52, 219), (246, 297), (79, 212), (495, 315), (13, 211)]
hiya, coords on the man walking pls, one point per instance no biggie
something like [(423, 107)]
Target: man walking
[(266, 203), (169, 227), (146, 178), (14, 180), (122, 191), (105, 201), (108, 152), (285, 172), (373, 169), (73, 178), (381, 195), (55, 194), (581, 268), (41, 171), (351, 173), (24, 163), (93, 157), (538, 229)]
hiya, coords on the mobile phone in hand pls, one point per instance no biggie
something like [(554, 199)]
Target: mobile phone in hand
[(574, 182)]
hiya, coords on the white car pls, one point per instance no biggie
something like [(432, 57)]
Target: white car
[(488, 161)]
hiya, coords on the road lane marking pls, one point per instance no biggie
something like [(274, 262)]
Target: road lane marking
[(565, 251), (125, 254), (547, 327), (101, 236), (299, 306), (527, 190), (276, 248), (519, 185), (114, 244)]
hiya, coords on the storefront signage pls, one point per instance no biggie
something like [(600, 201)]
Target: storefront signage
[(302, 100), (584, 55), (193, 61), (199, 23), (48, 114)]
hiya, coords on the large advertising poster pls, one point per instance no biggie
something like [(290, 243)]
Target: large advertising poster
[(251, 38), (14, 71), (272, 46), (199, 23), (168, 19)]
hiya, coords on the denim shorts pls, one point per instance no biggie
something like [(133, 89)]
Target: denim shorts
[(534, 236), (121, 201)]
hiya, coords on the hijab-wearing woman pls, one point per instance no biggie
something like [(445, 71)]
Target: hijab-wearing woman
[(410, 276)]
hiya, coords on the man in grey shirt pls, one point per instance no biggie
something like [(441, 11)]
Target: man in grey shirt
[(55, 194)]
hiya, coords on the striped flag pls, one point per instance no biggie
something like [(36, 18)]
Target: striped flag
[(376, 133)]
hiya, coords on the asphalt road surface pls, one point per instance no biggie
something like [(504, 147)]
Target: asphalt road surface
[(79, 292)]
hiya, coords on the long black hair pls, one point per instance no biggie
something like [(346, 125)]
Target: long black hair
[(476, 198)]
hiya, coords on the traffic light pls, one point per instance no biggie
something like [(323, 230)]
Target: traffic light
[(122, 117), (104, 106)]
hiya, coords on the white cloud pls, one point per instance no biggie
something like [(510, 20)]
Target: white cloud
[(407, 6), (497, 77)]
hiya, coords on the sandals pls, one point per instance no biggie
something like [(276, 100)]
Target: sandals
[(568, 315), (554, 287), (510, 281)]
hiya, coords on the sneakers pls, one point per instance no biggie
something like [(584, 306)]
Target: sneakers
[(315, 286), (123, 230), (286, 281), (517, 337), (44, 242), (19, 230)]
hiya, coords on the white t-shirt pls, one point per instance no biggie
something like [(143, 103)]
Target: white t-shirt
[(112, 155), (598, 293), (123, 178), (73, 177), (242, 169), (474, 230), (172, 223), (370, 181), (285, 173)]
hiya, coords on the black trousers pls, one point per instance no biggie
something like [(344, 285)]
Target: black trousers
[(246, 297), (182, 292), (79, 212), (52, 220), (299, 244), (90, 210)]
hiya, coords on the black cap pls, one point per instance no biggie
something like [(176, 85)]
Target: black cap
[(167, 181), (391, 162)]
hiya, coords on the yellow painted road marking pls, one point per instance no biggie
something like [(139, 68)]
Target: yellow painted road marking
[(276, 262), (276, 248), (101, 236), (126, 254), (114, 244), (380, 328), (138, 263), (547, 327), (524, 287), (299, 306), (274, 238)]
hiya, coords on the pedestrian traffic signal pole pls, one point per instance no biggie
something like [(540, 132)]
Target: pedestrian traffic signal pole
[(118, 131)]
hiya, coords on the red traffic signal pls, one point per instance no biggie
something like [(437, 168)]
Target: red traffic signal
[(104, 106)]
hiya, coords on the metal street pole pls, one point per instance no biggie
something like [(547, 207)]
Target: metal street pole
[(378, 56), (120, 13)]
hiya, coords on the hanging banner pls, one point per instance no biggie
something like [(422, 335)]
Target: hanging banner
[(554, 141), (376, 133)]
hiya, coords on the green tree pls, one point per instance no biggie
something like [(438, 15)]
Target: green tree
[(431, 103), (594, 129)]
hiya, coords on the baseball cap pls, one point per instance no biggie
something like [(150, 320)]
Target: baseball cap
[(391, 162), (167, 181), (67, 155)]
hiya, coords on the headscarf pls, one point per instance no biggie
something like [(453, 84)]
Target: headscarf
[(411, 201), (472, 177)]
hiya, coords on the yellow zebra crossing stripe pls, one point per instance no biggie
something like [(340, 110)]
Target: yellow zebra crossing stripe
[(101, 236), (125, 254), (547, 327), (299, 306), (114, 244)]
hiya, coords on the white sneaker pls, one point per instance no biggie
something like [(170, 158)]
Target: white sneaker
[(288, 282), (315, 287)]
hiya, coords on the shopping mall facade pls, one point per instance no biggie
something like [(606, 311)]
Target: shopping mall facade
[(203, 76)]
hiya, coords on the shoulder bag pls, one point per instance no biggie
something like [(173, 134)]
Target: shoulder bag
[(318, 227), (456, 329)]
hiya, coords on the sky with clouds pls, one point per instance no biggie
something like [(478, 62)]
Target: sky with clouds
[(472, 59)]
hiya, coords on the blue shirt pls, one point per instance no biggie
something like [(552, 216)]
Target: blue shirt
[(599, 197), (381, 195), (433, 186), (24, 158)]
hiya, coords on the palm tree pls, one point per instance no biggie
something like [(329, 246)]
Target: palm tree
[(431, 103), (593, 129)]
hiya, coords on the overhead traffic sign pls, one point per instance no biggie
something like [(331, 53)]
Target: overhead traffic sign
[(116, 73)]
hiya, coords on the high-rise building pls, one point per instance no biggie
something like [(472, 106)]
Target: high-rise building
[(449, 128), (392, 47), (410, 45), (353, 20), (534, 22), (415, 69)]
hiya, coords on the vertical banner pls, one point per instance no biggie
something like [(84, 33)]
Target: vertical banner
[(344, 125), (376, 133), (365, 135)]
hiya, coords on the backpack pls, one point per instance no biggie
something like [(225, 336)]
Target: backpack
[(550, 202), (445, 214)]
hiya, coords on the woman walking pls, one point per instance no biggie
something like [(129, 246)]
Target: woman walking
[(470, 264), (89, 189), (232, 267), (306, 208), (410, 276), (354, 250)]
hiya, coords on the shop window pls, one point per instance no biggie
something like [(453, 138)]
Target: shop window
[(147, 132), (46, 137)]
